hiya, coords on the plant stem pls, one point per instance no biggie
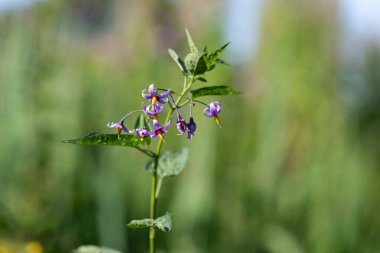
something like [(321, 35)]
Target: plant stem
[(153, 205), (153, 197)]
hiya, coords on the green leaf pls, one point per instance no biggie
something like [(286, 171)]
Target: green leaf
[(213, 91), (140, 121), (192, 46), (95, 138), (216, 53), (178, 60), (144, 223), (196, 63), (170, 163), (163, 223), (220, 61), (202, 79), (94, 249)]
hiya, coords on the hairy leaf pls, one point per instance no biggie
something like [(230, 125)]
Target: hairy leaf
[(96, 138), (196, 63), (192, 46), (144, 223), (178, 60), (216, 53), (163, 223), (170, 163), (213, 91)]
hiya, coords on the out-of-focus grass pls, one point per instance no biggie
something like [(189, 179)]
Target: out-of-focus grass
[(288, 172)]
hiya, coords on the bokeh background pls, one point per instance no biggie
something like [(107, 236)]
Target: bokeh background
[(295, 167)]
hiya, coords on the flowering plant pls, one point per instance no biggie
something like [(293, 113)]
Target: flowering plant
[(150, 126)]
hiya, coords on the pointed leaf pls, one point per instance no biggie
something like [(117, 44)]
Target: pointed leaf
[(178, 60), (170, 163), (216, 53), (94, 249), (95, 138), (196, 63), (213, 91), (140, 121), (144, 223), (220, 61), (163, 223), (192, 46)]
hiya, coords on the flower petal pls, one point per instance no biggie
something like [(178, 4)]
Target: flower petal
[(165, 94), (152, 90), (207, 112), (146, 96)]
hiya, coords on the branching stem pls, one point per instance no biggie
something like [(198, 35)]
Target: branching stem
[(154, 195)]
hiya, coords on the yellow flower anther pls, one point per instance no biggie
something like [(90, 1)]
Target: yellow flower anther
[(217, 120), (154, 100), (159, 132)]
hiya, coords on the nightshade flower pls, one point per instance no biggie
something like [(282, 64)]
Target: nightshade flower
[(191, 127), (154, 96), (119, 126), (213, 110), (181, 125), (158, 130), (152, 110), (143, 133)]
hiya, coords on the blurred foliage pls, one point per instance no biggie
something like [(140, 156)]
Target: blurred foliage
[(294, 168)]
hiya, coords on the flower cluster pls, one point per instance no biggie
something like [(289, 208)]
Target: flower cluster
[(156, 104)]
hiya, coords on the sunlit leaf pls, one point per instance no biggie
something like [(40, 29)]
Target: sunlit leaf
[(163, 223), (192, 46), (196, 63), (94, 249), (178, 60), (170, 163), (213, 56), (213, 91), (96, 138), (144, 223)]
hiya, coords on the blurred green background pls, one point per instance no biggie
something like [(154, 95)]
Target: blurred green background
[(295, 167)]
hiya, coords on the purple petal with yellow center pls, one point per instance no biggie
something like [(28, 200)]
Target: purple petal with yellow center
[(119, 126), (154, 96)]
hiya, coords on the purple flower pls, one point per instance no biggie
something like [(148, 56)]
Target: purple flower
[(213, 110), (119, 126), (153, 110), (154, 96), (191, 127), (181, 125), (143, 133), (158, 130)]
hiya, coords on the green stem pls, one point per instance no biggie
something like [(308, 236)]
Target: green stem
[(153, 197), (153, 205)]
